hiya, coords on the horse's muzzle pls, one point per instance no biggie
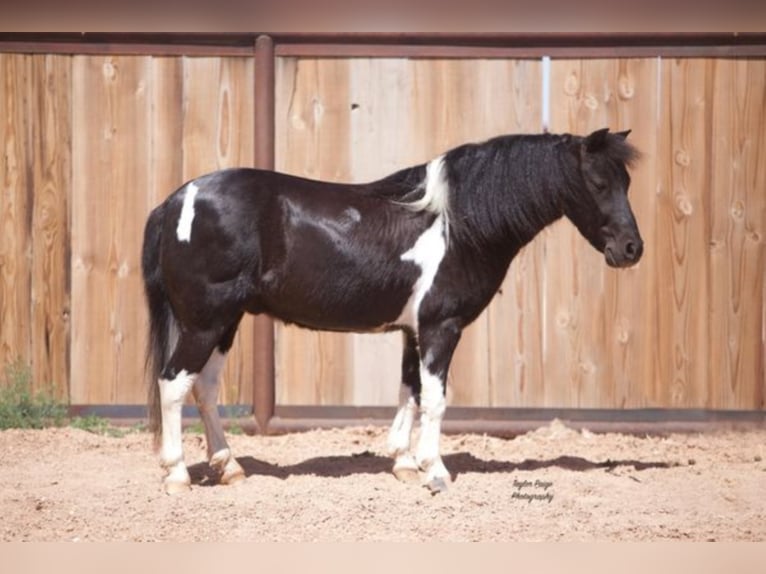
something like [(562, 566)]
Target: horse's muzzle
[(624, 253)]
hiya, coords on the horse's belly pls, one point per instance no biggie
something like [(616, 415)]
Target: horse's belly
[(338, 306)]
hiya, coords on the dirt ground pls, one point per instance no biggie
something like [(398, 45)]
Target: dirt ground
[(334, 485)]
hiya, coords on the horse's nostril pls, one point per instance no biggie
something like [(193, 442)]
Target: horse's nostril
[(633, 250)]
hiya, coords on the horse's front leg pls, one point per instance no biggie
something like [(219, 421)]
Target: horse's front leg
[(405, 467), (437, 345)]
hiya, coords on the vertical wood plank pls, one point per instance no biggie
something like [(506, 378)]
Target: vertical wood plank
[(15, 216), (683, 231), (50, 137), (738, 207), (111, 159), (218, 133), (595, 346)]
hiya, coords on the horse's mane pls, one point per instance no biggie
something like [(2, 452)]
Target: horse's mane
[(506, 185)]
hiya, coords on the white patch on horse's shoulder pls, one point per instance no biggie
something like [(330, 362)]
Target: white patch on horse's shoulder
[(436, 196), (427, 253), (183, 231)]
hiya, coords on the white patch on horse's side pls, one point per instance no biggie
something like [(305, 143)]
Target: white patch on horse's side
[(436, 196), (183, 231), (427, 253)]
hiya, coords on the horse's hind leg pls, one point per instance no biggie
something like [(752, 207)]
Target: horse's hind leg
[(178, 377), (405, 467), (206, 394)]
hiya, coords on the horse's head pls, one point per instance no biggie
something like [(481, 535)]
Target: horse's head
[(598, 203)]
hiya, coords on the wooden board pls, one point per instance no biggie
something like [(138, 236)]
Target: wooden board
[(34, 242), (50, 140), (737, 140), (111, 176), (596, 324), (15, 223)]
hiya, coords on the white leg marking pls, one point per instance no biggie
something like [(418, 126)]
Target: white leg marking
[(432, 406), (401, 428), (206, 393), (172, 393), (183, 231), (399, 437), (427, 253)]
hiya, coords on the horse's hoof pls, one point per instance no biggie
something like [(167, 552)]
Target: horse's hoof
[(437, 485), (227, 467), (173, 487), (234, 475), (406, 469), (177, 479), (406, 474)]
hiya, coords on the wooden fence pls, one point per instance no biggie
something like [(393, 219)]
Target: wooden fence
[(681, 329), (91, 142)]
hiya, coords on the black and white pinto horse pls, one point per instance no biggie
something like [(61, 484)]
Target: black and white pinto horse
[(422, 251)]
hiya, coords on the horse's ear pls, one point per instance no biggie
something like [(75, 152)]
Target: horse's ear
[(596, 141), (623, 135)]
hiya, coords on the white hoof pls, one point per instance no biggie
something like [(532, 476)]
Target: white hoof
[(406, 469), (177, 480), (436, 477)]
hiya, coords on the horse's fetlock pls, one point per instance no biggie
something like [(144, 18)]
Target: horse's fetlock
[(219, 460)]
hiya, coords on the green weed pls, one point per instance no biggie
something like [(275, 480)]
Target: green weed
[(22, 407), (98, 425)]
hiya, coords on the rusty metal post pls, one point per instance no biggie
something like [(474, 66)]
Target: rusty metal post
[(263, 353)]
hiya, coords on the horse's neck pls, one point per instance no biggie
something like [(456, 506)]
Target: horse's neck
[(512, 215)]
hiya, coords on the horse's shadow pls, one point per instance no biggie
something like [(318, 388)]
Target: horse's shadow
[(370, 463)]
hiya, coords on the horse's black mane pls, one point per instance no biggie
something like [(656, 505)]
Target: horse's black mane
[(509, 185)]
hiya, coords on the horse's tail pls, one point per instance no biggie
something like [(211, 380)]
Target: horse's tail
[(161, 320)]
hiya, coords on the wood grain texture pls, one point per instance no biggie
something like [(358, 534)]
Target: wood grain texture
[(111, 160), (684, 234), (15, 217), (596, 328), (34, 242), (737, 218), (50, 145)]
